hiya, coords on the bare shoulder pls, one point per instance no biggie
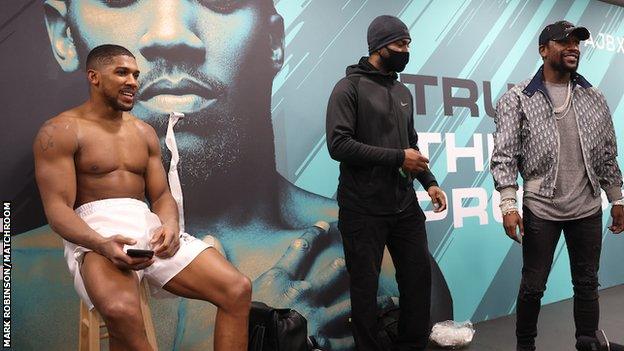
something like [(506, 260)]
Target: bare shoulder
[(58, 133), (141, 125), (148, 132)]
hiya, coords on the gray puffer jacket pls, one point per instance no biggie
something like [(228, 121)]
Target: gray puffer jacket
[(527, 139)]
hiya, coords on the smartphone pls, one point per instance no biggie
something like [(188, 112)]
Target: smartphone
[(140, 253)]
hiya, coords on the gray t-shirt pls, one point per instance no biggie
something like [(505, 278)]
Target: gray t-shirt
[(573, 196)]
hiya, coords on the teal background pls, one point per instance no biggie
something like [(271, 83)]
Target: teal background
[(494, 41)]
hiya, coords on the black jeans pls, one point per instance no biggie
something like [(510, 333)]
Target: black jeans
[(364, 238), (584, 241)]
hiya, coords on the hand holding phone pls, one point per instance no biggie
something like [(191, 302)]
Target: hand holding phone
[(140, 253)]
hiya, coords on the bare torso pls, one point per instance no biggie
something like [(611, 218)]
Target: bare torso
[(111, 157)]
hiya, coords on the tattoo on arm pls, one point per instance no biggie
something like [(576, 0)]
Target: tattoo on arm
[(45, 137)]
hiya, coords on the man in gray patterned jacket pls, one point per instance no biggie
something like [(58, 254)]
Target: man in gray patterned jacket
[(556, 130)]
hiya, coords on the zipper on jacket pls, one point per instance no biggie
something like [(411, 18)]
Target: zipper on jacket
[(552, 110), (399, 184), (397, 188), (578, 127)]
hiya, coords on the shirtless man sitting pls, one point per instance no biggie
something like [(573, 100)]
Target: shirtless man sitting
[(95, 165)]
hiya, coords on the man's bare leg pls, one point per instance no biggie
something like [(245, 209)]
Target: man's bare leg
[(115, 295), (210, 277)]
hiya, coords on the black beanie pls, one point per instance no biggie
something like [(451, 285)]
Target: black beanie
[(384, 30)]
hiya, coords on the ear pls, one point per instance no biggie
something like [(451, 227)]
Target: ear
[(543, 51), (60, 35), (93, 77), (276, 41)]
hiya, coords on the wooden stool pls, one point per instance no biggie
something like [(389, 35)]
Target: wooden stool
[(91, 324)]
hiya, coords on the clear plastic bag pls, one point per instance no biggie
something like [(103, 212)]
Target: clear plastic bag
[(451, 334)]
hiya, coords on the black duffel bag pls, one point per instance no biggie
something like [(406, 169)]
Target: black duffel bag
[(276, 329), (388, 327)]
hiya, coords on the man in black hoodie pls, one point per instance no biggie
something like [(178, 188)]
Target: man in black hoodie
[(370, 130)]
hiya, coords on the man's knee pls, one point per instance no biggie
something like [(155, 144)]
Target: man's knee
[(531, 291), (120, 310), (239, 294), (533, 284), (586, 289), (585, 281)]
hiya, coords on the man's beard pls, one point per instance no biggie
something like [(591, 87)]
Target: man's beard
[(560, 65), (114, 103)]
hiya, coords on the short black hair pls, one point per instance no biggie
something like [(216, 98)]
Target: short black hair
[(104, 54)]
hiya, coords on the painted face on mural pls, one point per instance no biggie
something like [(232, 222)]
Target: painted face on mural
[(201, 58), (562, 55)]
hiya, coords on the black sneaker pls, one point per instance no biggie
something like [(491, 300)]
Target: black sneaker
[(602, 340), (599, 343), (588, 343), (606, 344)]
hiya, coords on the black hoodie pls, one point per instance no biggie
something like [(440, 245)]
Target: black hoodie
[(369, 124)]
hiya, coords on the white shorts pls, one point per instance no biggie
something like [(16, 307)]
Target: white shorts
[(131, 218)]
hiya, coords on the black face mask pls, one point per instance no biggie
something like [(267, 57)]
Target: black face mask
[(396, 60)]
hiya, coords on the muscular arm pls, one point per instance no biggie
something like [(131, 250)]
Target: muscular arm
[(156, 184), (54, 148)]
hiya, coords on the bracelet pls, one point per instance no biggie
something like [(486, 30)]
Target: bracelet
[(619, 202), (508, 206)]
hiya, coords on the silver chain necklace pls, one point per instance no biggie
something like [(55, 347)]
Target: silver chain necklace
[(563, 110)]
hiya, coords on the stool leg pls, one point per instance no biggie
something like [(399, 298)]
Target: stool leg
[(89, 329), (147, 316), (83, 328), (90, 321), (94, 330)]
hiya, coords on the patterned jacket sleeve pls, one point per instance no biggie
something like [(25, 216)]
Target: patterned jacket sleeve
[(506, 153), (608, 171)]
